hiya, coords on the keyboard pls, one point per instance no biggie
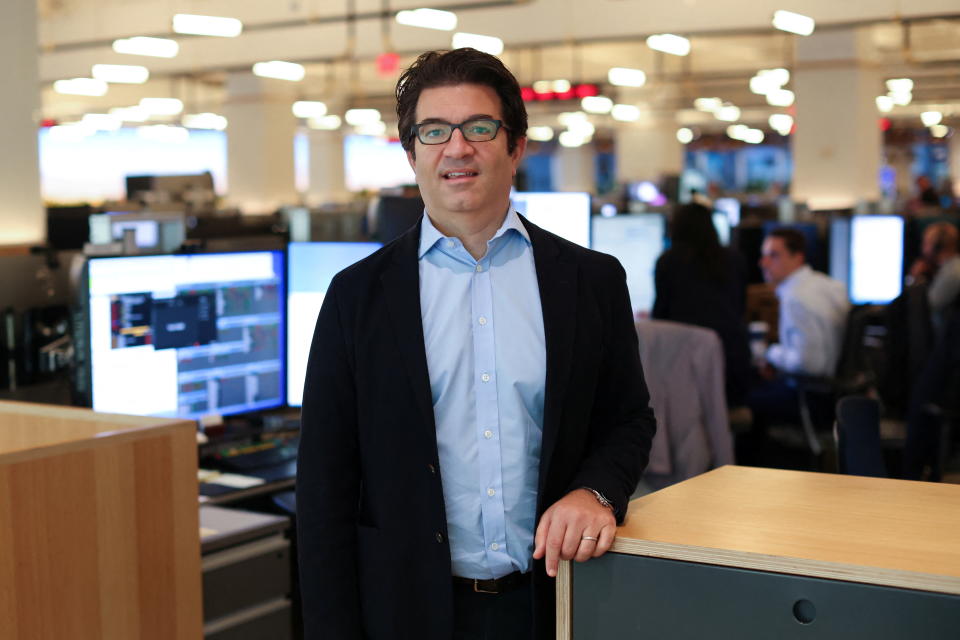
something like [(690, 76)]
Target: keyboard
[(258, 456)]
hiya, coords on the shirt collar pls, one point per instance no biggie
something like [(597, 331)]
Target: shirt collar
[(430, 235)]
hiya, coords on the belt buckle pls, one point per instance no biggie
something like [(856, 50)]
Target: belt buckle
[(477, 589)]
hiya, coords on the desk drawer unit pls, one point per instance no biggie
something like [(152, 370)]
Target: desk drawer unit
[(245, 576), (627, 596)]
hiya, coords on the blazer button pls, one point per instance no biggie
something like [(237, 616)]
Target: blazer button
[(439, 537), (432, 468)]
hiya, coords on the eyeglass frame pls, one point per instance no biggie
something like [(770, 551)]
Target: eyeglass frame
[(415, 128)]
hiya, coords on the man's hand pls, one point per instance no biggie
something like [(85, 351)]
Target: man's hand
[(560, 534)]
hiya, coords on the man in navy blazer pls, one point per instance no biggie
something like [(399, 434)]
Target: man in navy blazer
[(474, 408)]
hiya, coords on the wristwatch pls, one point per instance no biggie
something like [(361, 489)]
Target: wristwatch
[(601, 498)]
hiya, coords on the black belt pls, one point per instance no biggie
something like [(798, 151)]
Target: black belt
[(497, 585)]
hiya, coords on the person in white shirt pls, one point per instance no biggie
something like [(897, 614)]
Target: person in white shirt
[(813, 308)]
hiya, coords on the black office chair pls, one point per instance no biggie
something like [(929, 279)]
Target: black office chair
[(857, 431)]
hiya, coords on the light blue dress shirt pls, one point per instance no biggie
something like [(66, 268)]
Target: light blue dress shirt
[(486, 356)]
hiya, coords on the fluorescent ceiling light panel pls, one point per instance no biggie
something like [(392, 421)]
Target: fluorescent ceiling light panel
[(560, 86), (624, 77), (81, 87), (207, 25), (901, 99), (377, 128), (325, 123), (930, 118), (884, 104), (161, 106), (540, 134), (571, 140), (360, 117), (204, 121), (900, 85), (737, 131), (708, 105), (131, 114), (669, 43), (684, 135), (782, 123), (939, 130), (727, 113), (794, 22), (753, 136), (597, 104), (144, 46), (309, 109), (780, 98), (487, 44), (121, 73), (625, 113), (428, 19), (279, 70)]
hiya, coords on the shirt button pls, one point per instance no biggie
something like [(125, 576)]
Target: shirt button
[(488, 434), (479, 267), (451, 244), (439, 537), (482, 320), (494, 546), (485, 377), (491, 492)]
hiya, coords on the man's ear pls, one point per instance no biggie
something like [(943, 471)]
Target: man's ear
[(412, 159), (518, 151)]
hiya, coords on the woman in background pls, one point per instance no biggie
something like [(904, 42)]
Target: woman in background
[(700, 282)]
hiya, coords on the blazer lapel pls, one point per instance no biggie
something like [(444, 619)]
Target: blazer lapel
[(557, 280), (401, 284)]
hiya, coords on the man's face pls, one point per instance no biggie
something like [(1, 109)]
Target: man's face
[(461, 178), (777, 262)]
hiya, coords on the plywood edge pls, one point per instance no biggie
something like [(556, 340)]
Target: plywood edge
[(564, 601), (793, 566), (104, 439)]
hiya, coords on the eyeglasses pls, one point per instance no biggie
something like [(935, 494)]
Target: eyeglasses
[(479, 130)]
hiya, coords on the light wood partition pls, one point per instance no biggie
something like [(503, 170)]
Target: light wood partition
[(99, 532)]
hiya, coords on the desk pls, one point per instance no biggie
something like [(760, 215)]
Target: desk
[(743, 552), (275, 479)]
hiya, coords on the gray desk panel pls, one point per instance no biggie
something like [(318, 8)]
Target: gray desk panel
[(626, 596)]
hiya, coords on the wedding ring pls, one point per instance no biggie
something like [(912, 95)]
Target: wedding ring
[(588, 538)]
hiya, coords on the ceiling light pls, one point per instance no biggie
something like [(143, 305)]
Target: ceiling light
[(540, 134), (377, 128), (623, 77), (571, 140), (727, 113), (684, 135), (204, 121), (487, 44), (428, 19), (780, 98), (360, 117), (144, 46), (131, 114), (708, 104), (884, 104), (625, 113), (597, 104), (309, 109), (81, 87), (102, 121), (753, 136), (163, 133), (900, 85), (782, 123), (207, 25), (560, 86), (930, 118), (279, 70), (121, 73), (939, 130), (325, 123), (793, 22), (901, 99), (567, 118), (737, 131), (161, 106), (542, 86), (669, 43)]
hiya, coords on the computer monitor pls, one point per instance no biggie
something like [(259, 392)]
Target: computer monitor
[(840, 250), (158, 231), (562, 213), (876, 259), (312, 266), (186, 335), (722, 224), (636, 240), (729, 206)]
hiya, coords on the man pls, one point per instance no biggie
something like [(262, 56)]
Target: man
[(939, 267), (813, 308), (474, 407)]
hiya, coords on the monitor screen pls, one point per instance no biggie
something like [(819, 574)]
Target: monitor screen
[(729, 206), (840, 250), (722, 224), (565, 214), (876, 259), (186, 335), (636, 240), (312, 266)]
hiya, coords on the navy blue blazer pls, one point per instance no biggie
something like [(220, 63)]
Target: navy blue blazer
[(373, 551)]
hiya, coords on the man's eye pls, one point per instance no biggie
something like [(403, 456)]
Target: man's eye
[(480, 128), (436, 132)]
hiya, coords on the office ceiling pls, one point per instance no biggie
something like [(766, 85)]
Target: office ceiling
[(579, 40)]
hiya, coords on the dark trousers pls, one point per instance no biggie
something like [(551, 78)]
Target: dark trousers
[(486, 616)]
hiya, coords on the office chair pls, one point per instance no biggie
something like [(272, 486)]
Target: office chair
[(857, 431)]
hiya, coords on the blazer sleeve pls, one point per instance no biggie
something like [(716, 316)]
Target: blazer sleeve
[(328, 483), (622, 423)]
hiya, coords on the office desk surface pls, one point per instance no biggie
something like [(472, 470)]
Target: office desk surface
[(886, 532)]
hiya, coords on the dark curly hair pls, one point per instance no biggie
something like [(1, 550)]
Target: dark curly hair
[(459, 66)]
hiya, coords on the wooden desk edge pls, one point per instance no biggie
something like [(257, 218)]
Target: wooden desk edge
[(794, 566)]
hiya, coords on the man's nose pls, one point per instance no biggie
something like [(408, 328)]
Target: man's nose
[(457, 146)]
